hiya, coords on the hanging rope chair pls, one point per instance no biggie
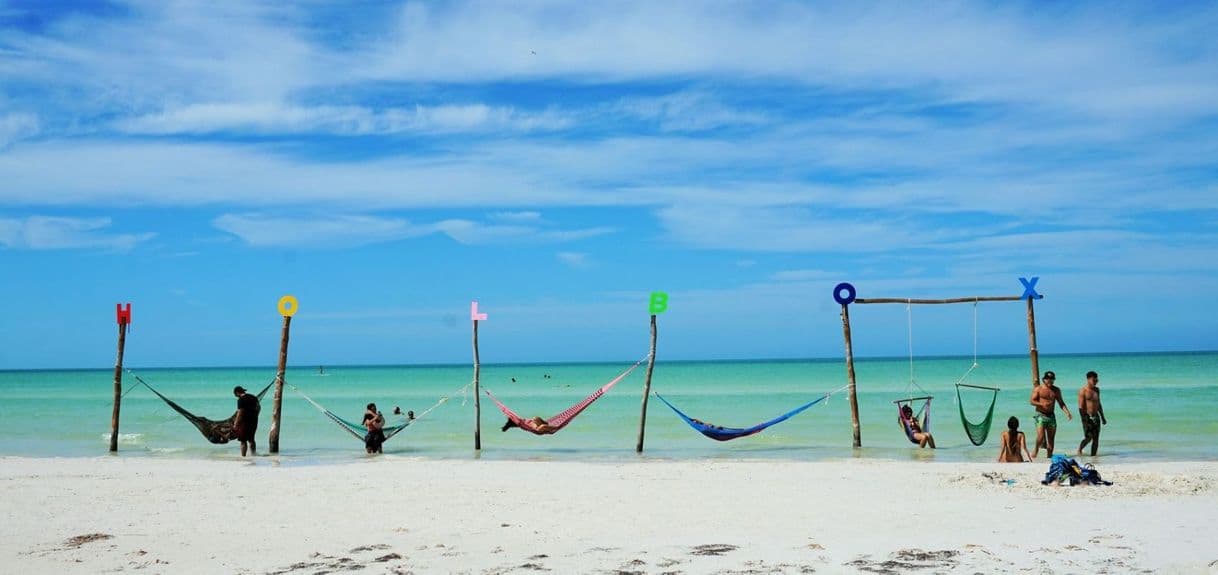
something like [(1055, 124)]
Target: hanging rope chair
[(976, 432), (923, 412)]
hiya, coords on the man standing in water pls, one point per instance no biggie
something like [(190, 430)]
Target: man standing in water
[(245, 426), (1091, 411), (1043, 398)]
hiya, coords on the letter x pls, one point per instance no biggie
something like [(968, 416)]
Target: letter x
[(1029, 288)]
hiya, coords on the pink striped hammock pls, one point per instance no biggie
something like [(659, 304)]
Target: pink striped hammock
[(555, 424)]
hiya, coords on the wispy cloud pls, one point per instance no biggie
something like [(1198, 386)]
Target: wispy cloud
[(323, 231), (15, 127), (576, 260), (273, 118), (60, 233), (515, 217), (341, 231)]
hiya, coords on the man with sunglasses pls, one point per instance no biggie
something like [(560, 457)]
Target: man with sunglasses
[(1044, 396)]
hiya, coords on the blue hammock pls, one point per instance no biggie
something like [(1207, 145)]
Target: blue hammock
[(719, 433)]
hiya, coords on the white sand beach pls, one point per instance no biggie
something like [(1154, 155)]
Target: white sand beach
[(403, 515)]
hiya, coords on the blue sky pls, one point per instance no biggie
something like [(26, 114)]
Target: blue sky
[(558, 161)]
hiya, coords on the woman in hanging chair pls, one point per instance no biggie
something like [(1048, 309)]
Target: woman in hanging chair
[(923, 438), (1014, 444)]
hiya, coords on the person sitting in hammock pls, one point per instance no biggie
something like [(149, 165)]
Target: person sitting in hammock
[(375, 423), (923, 438), (1014, 444), (539, 425)]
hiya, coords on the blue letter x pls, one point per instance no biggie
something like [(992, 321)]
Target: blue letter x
[(1029, 288)]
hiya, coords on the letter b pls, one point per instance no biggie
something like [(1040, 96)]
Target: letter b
[(658, 303)]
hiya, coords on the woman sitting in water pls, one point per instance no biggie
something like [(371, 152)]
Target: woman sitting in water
[(923, 438), (1014, 444)]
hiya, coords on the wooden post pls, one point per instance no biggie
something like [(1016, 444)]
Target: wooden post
[(651, 364), (287, 308), (123, 318), (1035, 355), (854, 401), (477, 395)]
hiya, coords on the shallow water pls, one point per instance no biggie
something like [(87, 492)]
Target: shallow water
[(1159, 407)]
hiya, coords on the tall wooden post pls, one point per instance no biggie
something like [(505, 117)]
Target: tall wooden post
[(287, 308), (854, 401), (123, 317), (477, 394), (1032, 344), (475, 317), (651, 364)]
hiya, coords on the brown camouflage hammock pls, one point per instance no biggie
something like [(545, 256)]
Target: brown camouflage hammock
[(218, 432)]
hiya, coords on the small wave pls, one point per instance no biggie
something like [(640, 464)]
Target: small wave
[(167, 449), (125, 438)]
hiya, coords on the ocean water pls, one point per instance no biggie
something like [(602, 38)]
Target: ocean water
[(1159, 407)]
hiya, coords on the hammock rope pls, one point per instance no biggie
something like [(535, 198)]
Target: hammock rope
[(216, 431), (561, 419), (357, 430), (923, 412), (721, 433), (976, 432)]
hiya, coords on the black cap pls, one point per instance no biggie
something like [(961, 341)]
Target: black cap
[(238, 389), (1050, 375)]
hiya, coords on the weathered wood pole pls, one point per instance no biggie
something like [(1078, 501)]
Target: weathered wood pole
[(287, 308), (854, 401), (1035, 355), (477, 394), (651, 364), (124, 319)]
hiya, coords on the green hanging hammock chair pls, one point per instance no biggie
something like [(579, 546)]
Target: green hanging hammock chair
[(977, 432)]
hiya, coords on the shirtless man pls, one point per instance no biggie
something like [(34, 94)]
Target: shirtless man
[(1091, 411), (1043, 398)]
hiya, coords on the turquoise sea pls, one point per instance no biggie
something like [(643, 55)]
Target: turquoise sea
[(1159, 407)]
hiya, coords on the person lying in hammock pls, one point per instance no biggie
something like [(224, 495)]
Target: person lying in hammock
[(708, 425), (539, 425), (1014, 444), (922, 437)]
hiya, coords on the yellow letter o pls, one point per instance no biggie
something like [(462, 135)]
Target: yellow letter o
[(288, 306)]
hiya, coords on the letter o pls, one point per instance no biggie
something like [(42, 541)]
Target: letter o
[(288, 306), (850, 293)]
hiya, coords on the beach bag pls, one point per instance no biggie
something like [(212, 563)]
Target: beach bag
[(1092, 477), (1063, 468)]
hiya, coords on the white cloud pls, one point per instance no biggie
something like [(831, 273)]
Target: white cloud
[(689, 112), (16, 127), (573, 259), (515, 217), (275, 118), (321, 231), (791, 229), (58, 233), (336, 231), (976, 51)]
